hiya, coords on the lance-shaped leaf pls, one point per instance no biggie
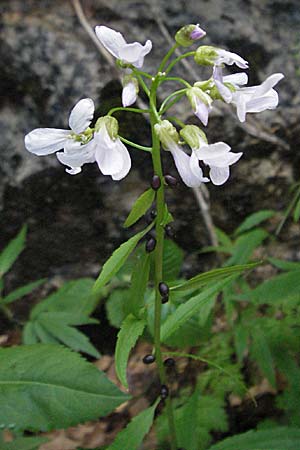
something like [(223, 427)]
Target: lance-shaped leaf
[(117, 259), (213, 275), (139, 280), (43, 387), (253, 220), (132, 436), (141, 205), (20, 292), (130, 331), (278, 438), (12, 251), (187, 310)]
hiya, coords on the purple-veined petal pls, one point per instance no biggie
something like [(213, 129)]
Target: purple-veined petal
[(112, 40), (44, 141), (82, 115), (219, 175), (129, 94), (134, 53)]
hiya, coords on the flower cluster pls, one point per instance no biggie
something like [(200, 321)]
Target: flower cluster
[(83, 144)]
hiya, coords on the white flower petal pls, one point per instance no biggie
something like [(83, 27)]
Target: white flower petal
[(239, 79), (196, 169), (224, 91), (212, 151), (74, 171), (219, 175), (134, 53), (201, 111), (82, 115), (124, 155), (112, 40), (240, 108), (129, 94), (269, 101), (44, 141), (182, 162), (266, 85), (230, 58), (86, 154)]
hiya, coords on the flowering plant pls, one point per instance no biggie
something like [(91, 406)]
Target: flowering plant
[(196, 160)]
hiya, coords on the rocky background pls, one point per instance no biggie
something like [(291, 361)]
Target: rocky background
[(48, 63)]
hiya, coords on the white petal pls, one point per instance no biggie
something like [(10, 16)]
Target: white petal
[(231, 58), (270, 82), (182, 162), (212, 151), (201, 111), (224, 91), (112, 40), (240, 107), (81, 115), (219, 175), (134, 53), (74, 171), (239, 79), (124, 155), (226, 160), (129, 94), (269, 101), (44, 141), (196, 169), (86, 154)]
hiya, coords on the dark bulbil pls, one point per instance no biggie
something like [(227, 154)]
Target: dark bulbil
[(155, 183), (163, 289), (171, 181), (169, 362), (150, 244), (164, 392), (148, 359)]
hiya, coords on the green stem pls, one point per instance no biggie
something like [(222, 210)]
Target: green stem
[(144, 74), (122, 108), (177, 121), (158, 257), (166, 104), (142, 82), (165, 59), (133, 144), (176, 60), (180, 80)]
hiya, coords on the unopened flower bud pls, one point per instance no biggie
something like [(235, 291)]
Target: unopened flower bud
[(171, 181), (155, 183), (193, 136), (164, 391), (148, 359), (167, 133), (150, 245), (188, 34), (130, 90), (163, 289), (111, 125)]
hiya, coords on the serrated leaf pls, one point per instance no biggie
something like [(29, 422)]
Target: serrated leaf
[(213, 275), (73, 296), (68, 335), (187, 310), (277, 289), (139, 280), (117, 259), (277, 438), (11, 252), (131, 329), (29, 335), (43, 387), (253, 220), (172, 260), (116, 306), (261, 352), (284, 265), (24, 443), (141, 205), (132, 436), (245, 245), (20, 292), (43, 335)]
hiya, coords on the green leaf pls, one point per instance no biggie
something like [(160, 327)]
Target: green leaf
[(20, 292), (43, 387), (245, 245), (67, 335), (241, 334), (141, 205), (116, 306), (43, 335), (139, 280), (117, 259), (213, 275), (29, 335), (130, 331), (167, 218), (24, 443), (187, 310), (261, 352), (253, 220), (11, 252), (132, 436), (278, 289), (278, 438), (223, 238), (172, 260), (73, 296), (296, 214), (284, 265)]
